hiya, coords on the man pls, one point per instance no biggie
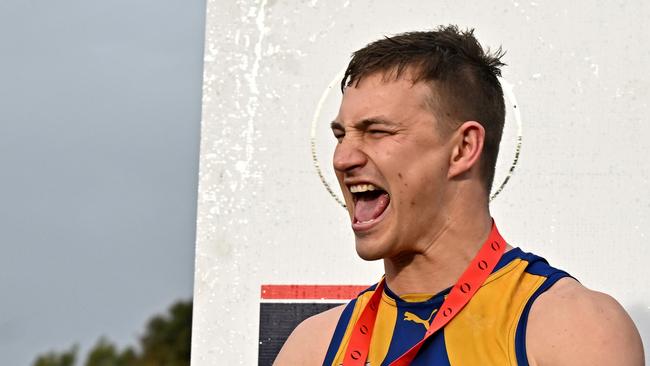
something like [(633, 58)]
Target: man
[(418, 133)]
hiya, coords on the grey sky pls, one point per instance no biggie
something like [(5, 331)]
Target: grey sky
[(99, 128)]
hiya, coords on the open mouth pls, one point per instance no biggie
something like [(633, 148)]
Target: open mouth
[(370, 202)]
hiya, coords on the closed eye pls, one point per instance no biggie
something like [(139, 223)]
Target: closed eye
[(337, 130), (375, 132), (338, 134)]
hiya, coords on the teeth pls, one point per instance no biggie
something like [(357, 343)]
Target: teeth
[(359, 188)]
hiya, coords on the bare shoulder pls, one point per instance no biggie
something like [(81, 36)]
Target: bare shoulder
[(308, 343), (572, 325)]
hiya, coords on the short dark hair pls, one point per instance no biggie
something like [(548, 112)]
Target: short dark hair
[(462, 76)]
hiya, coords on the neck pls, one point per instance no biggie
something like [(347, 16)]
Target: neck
[(442, 260)]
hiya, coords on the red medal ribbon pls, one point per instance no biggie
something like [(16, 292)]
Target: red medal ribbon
[(469, 282)]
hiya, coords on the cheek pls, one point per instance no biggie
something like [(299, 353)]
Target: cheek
[(417, 185)]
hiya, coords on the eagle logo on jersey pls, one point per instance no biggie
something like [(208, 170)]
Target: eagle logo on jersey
[(410, 317)]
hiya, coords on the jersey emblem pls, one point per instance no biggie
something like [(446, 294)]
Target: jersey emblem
[(410, 317)]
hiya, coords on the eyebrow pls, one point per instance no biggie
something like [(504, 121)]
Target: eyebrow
[(336, 126), (365, 123)]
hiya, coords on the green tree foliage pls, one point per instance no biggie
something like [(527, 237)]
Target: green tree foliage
[(166, 342), (167, 339), (65, 358), (104, 353)]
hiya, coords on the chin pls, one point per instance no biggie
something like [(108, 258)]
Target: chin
[(369, 252)]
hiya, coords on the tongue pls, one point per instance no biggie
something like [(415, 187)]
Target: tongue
[(369, 207)]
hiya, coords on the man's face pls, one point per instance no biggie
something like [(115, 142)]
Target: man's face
[(391, 162)]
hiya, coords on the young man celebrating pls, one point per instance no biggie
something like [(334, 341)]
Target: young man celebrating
[(418, 135)]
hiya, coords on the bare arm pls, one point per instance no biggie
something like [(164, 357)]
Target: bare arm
[(308, 343), (572, 325)]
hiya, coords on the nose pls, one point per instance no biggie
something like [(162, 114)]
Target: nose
[(348, 156)]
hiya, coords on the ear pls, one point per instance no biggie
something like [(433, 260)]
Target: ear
[(467, 148)]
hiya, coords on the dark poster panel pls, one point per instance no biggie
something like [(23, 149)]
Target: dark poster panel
[(277, 320), (283, 307)]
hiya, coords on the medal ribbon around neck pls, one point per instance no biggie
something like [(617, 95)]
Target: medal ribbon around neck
[(469, 282)]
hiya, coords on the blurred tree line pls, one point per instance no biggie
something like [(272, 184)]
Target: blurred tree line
[(166, 342)]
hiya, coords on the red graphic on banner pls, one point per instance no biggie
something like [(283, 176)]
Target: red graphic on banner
[(315, 292)]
